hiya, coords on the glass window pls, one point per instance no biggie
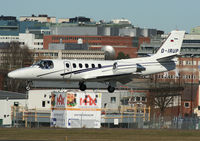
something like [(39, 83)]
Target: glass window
[(74, 65), (67, 65), (80, 65), (143, 99), (93, 66), (99, 66), (113, 99), (44, 64), (137, 98), (187, 105), (86, 65), (43, 103)]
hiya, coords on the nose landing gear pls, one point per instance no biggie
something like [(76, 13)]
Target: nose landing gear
[(28, 85)]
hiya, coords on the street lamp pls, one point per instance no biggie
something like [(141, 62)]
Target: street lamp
[(192, 87)]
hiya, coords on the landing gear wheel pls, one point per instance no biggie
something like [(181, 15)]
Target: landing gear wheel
[(111, 89), (28, 85), (82, 86), (28, 88)]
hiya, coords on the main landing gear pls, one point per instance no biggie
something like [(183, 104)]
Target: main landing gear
[(82, 86), (111, 89), (111, 86)]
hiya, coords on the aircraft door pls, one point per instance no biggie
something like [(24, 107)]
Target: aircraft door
[(67, 69)]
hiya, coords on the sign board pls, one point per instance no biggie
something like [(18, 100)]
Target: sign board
[(76, 109)]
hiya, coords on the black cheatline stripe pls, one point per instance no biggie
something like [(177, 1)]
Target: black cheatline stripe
[(91, 69), (48, 73)]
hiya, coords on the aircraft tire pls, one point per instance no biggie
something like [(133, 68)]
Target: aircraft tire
[(83, 87), (111, 89)]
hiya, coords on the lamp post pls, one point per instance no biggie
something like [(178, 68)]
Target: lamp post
[(191, 102)]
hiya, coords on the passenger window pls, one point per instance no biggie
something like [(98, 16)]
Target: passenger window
[(86, 65), (67, 65), (74, 65), (80, 65), (93, 66), (99, 66)]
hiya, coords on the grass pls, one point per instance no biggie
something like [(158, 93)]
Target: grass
[(98, 134)]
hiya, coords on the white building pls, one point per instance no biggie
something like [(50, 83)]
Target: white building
[(39, 18), (28, 39), (64, 20), (7, 101)]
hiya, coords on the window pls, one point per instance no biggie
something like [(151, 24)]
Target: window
[(44, 64), (186, 104), (137, 98), (80, 65), (67, 65), (143, 99), (113, 99), (43, 103), (86, 65), (74, 65), (99, 66), (93, 66)]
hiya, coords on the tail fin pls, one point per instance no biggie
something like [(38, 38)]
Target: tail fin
[(171, 47)]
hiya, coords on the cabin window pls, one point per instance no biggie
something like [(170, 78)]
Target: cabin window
[(93, 65), (74, 65), (44, 64), (86, 65), (43, 103), (99, 66), (67, 65), (80, 65)]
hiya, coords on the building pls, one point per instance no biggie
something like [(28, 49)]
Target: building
[(9, 26), (68, 54), (186, 73), (39, 18), (8, 101)]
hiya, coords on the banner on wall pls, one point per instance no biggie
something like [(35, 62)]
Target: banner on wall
[(76, 110)]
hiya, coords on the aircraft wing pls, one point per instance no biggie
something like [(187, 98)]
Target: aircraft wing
[(122, 78)]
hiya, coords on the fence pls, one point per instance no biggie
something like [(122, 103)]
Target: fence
[(125, 117)]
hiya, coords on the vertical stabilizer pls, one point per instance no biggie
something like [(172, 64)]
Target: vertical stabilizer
[(172, 45)]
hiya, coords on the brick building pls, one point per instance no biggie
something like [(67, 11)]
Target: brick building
[(120, 44)]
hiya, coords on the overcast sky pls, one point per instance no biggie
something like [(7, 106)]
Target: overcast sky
[(164, 15)]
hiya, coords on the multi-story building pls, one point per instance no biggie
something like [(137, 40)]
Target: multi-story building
[(68, 54), (9, 26), (186, 73), (39, 18)]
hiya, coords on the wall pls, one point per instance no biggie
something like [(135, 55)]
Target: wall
[(5, 110)]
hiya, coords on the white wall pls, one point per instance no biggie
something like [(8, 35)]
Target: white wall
[(5, 109), (36, 98), (29, 40)]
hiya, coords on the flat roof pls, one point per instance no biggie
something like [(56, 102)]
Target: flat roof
[(12, 95)]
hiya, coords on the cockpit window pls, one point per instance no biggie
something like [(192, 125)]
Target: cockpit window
[(44, 64)]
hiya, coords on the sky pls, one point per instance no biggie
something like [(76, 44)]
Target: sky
[(163, 15)]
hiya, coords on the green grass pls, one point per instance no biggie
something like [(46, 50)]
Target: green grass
[(98, 134)]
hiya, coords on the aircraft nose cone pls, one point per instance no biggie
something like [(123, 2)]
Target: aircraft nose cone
[(11, 74)]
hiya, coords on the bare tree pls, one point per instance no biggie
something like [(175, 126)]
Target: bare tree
[(162, 97), (15, 57)]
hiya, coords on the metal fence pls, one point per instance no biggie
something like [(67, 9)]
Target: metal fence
[(133, 119)]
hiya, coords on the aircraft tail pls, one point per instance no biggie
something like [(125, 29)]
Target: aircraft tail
[(171, 47)]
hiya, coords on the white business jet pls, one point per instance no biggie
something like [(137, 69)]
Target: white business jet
[(109, 71)]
